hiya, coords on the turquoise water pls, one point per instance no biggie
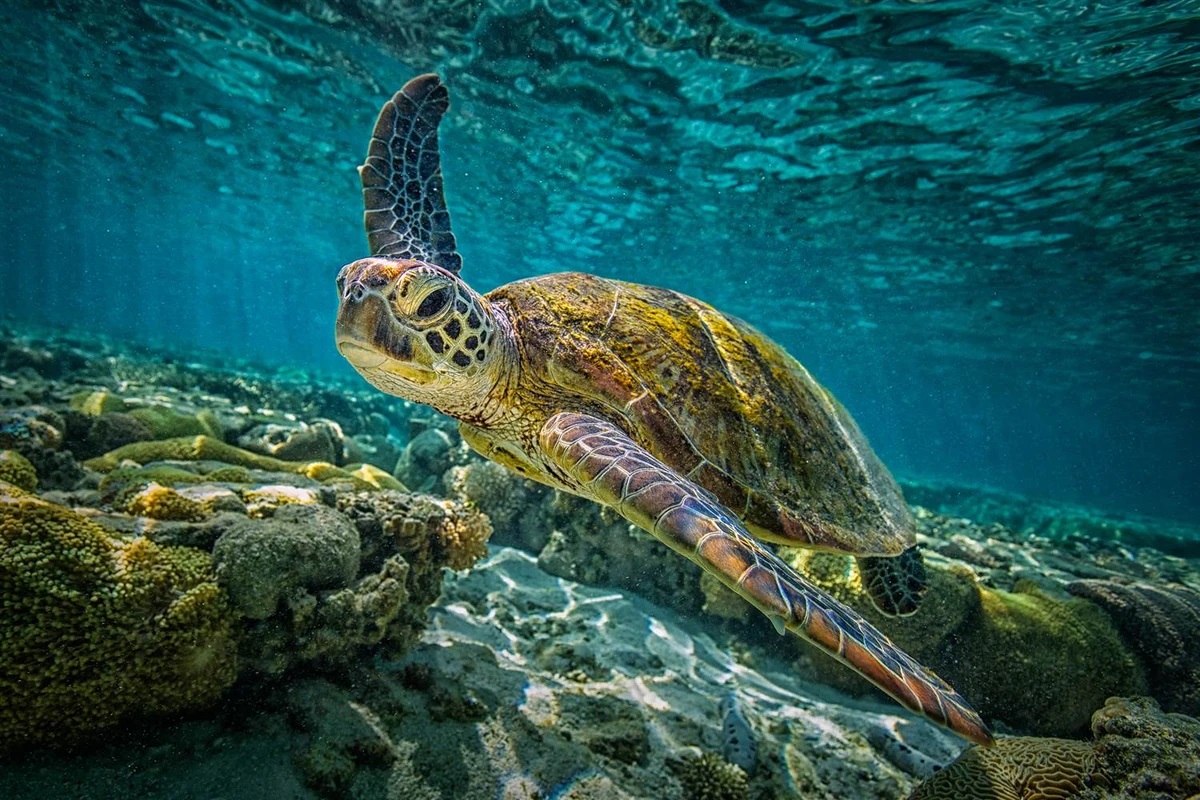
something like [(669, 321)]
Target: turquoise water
[(974, 222)]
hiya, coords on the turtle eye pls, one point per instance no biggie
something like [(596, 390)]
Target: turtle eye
[(434, 302)]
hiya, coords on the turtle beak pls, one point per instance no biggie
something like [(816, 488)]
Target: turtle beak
[(371, 339), (360, 357)]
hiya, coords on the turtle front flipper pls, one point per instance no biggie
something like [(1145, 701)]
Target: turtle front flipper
[(606, 465), (405, 208)]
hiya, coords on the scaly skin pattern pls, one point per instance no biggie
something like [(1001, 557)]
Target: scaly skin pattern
[(612, 469)]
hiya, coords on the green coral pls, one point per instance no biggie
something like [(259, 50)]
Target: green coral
[(97, 629), (710, 777), (1039, 663), (16, 469)]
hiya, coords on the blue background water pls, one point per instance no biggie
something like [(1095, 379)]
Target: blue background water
[(975, 222)]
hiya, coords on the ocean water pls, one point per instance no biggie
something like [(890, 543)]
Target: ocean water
[(975, 223)]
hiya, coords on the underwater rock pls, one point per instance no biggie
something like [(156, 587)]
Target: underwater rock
[(99, 629), (593, 544), (1138, 752), (1161, 625), (1145, 752), (428, 455), (345, 738), (260, 562), (110, 431), (300, 443), (375, 449)]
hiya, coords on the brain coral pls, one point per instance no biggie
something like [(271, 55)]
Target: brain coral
[(97, 629), (1021, 768)]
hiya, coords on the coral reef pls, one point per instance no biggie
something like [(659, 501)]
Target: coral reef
[(1161, 625), (710, 777), (1021, 768), (97, 629), (403, 542), (189, 448), (498, 492), (161, 502), (16, 469), (36, 432), (376, 477), (262, 561), (207, 448), (1138, 752), (1046, 662), (1144, 752)]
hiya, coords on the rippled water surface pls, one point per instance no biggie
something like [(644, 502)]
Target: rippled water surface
[(976, 222)]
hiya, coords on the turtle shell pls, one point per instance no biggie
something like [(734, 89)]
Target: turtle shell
[(712, 397)]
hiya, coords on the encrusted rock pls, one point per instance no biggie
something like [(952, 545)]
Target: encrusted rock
[(260, 562)]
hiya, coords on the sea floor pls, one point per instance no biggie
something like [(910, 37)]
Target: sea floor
[(578, 659)]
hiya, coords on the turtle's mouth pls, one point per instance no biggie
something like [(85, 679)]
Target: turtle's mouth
[(368, 359), (361, 357)]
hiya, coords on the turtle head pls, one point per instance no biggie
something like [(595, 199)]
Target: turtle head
[(417, 331)]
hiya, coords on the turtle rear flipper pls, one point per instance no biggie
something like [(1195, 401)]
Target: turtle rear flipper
[(608, 466), (896, 584)]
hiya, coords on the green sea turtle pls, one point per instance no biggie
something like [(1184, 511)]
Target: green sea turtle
[(688, 422)]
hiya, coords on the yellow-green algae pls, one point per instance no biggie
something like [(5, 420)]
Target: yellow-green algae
[(375, 476), (208, 448), (98, 628), (1039, 663), (16, 469), (97, 402), (166, 423), (155, 501)]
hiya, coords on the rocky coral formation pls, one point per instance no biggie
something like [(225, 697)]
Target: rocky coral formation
[(37, 432), (710, 777), (1161, 625), (1037, 662), (98, 628), (302, 547), (1137, 752)]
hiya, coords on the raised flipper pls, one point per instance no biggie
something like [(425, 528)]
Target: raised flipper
[(896, 584), (609, 467), (406, 214)]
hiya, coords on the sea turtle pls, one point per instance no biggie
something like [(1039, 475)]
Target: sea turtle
[(688, 422)]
